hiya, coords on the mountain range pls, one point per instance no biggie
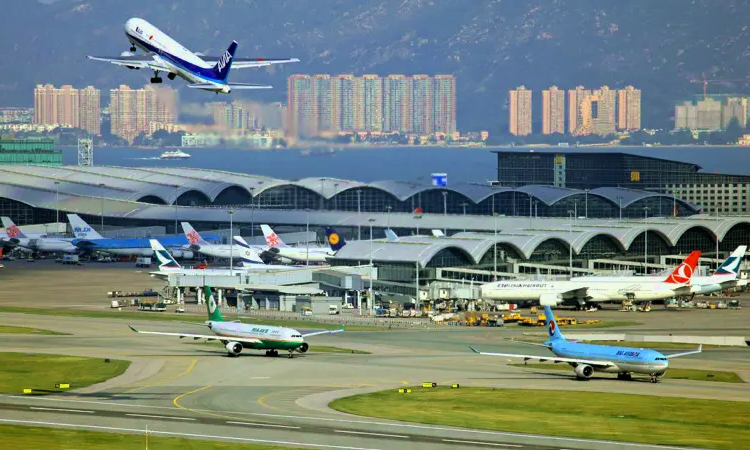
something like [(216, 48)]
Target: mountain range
[(489, 45)]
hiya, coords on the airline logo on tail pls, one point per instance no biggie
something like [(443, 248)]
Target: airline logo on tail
[(684, 272), (13, 231), (81, 229), (732, 265), (211, 303), (552, 327), (334, 240), (221, 69), (191, 235), (166, 261), (248, 255), (272, 239)]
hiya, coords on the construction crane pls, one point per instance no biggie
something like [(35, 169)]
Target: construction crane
[(705, 82)]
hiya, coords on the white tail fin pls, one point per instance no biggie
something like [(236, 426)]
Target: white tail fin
[(82, 230), (272, 239), (11, 229), (166, 261), (391, 236), (247, 253), (192, 236), (438, 233)]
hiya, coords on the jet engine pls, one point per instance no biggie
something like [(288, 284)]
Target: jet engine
[(234, 348), (303, 348), (125, 54), (182, 254), (584, 371)]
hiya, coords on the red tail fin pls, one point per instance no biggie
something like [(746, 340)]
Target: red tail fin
[(684, 272)]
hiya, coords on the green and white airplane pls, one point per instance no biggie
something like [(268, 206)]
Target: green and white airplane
[(238, 336)]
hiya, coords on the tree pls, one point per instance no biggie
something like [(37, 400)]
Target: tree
[(734, 131)]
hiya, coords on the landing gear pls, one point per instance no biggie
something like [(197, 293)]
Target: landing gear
[(291, 354), (171, 75), (655, 377), (156, 79), (624, 376), (272, 353), (132, 48)]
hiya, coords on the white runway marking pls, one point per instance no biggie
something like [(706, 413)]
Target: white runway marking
[(371, 434), (258, 424), (62, 410), (159, 417), (481, 443)]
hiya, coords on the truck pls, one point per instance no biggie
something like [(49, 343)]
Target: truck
[(143, 261), (70, 259), (333, 309)]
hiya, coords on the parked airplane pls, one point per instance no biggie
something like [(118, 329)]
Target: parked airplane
[(87, 239), (238, 336), (164, 54), (224, 251), (589, 358), (300, 254), (35, 242), (677, 283), (725, 277)]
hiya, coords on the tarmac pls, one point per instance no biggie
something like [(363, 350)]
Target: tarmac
[(191, 390)]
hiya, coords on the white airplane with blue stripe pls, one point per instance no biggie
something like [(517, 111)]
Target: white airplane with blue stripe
[(164, 54)]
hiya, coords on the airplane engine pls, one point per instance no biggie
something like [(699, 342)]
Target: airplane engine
[(584, 372), (303, 348), (123, 54), (182, 254), (234, 348)]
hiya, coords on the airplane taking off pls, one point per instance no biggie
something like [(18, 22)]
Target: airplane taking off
[(36, 242), (630, 289), (164, 54), (589, 358), (238, 336), (725, 277)]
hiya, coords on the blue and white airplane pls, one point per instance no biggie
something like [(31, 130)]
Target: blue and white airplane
[(164, 54), (589, 358)]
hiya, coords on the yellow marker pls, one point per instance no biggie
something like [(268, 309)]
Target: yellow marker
[(27, 391), (62, 386), (404, 391), (455, 386), (429, 385)]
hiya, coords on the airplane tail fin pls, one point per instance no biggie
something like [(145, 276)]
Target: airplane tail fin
[(391, 236), (11, 229), (81, 229), (214, 315), (334, 240), (166, 261), (684, 272), (732, 265), (221, 69), (552, 329), (247, 254), (193, 237), (438, 233), (272, 239)]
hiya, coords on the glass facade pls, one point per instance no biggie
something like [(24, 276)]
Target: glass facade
[(29, 151)]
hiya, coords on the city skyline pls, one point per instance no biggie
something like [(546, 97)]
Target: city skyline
[(68, 106)]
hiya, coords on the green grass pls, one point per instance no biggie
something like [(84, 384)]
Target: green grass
[(676, 374), (313, 348), (588, 415), (40, 372), (23, 438), (7, 329), (169, 316)]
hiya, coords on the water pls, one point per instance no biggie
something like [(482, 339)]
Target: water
[(409, 164)]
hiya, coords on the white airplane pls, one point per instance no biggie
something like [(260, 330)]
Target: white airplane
[(164, 54), (725, 277), (35, 242), (677, 283), (233, 251), (298, 254)]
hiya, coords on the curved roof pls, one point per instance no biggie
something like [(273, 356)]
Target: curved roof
[(327, 187), (548, 194), (627, 196)]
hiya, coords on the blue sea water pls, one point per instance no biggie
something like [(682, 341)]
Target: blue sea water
[(403, 163)]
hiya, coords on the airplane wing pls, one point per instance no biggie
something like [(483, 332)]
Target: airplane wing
[(212, 337), (137, 61), (245, 63), (555, 359), (675, 355), (315, 333)]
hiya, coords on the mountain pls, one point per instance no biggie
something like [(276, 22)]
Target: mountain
[(490, 45)]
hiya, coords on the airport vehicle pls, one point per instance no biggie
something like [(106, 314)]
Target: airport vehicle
[(589, 358), (143, 261), (725, 277), (164, 54), (300, 254), (177, 154), (235, 251), (88, 240), (36, 242), (239, 336), (594, 291)]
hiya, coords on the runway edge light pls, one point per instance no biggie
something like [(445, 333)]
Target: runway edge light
[(62, 386), (404, 391), (429, 385), (455, 386), (27, 391)]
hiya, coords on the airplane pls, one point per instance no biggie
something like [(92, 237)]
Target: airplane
[(677, 283), (239, 336), (88, 240), (35, 242), (234, 251), (299, 254), (725, 277), (589, 358), (164, 54)]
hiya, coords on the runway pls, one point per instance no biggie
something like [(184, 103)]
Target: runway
[(195, 390)]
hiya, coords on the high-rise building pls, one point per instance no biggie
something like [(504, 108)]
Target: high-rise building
[(686, 116), (122, 109), (602, 111), (397, 104), (576, 98), (350, 102), (67, 101), (299, 101), (444, 98), (45, 105), (133, 110), (322, 107), (91, 105), (709, 114), (553, 111), (422, 104), (235, 116), (629, 109), (736, 107), (372, 103), (520, 111)]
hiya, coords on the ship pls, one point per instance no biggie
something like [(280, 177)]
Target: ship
[(177, 154)]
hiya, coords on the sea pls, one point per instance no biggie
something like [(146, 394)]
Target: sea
[(415, 164)]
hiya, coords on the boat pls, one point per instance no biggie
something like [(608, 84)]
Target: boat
[(177, 154)]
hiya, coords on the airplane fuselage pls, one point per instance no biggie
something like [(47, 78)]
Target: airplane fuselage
[(699, 284), (596, 291), (626, 359), (271, 338)]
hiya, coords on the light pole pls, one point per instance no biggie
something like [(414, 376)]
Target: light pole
[(371, 299), (231, 242), (57, 206), (388, 217), (307, 236), (536, 209), (102, 185), (619, 200), (359, 211), (494, 270), (570, 245), (586, 211), (464, 206), (445, 210), (335, 199), (645, 242)]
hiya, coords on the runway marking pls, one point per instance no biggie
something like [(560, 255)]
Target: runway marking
[(260, 424), (371, 434), (262, 399), (159, 417), (159, 383), (360, 422), (61, 410), (193, 435), (459, 441), (176, 400), (404, 382)]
